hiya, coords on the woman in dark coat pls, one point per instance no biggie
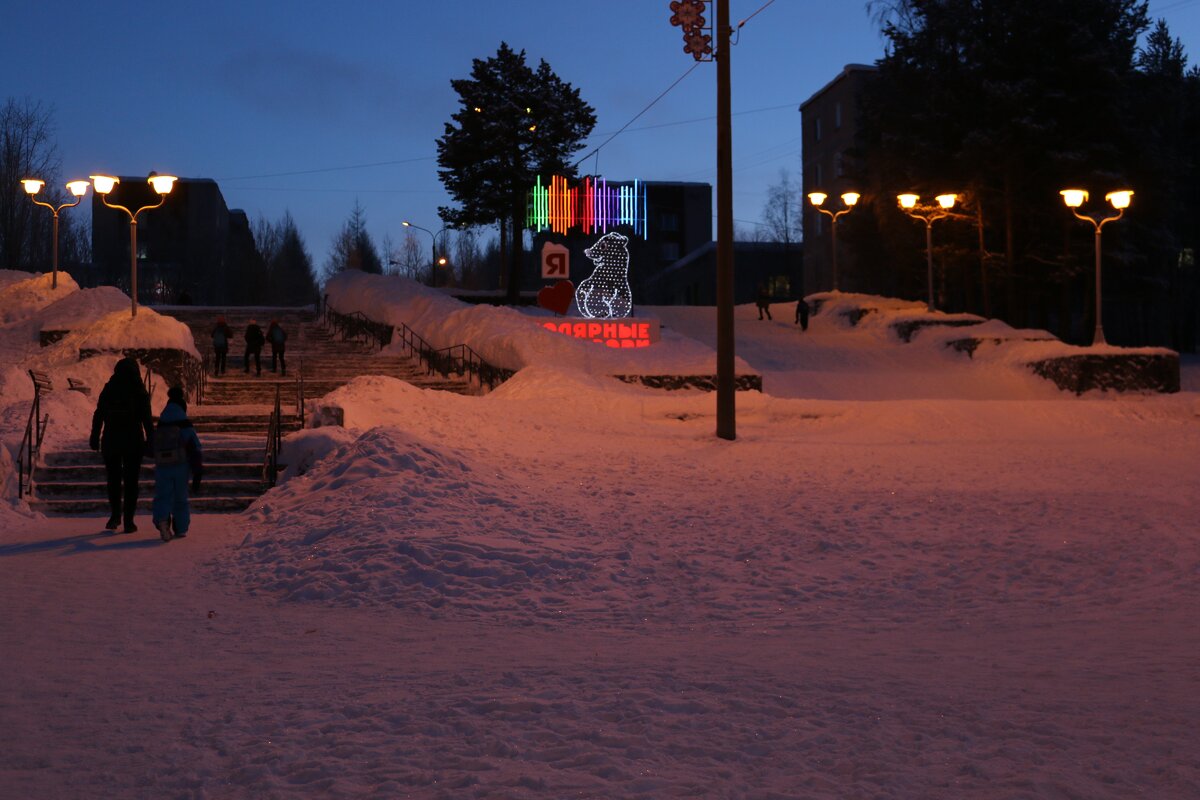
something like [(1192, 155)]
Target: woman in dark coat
[(121, 427)]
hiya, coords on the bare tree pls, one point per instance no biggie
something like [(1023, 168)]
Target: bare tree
[(28, 150), (781, 214)]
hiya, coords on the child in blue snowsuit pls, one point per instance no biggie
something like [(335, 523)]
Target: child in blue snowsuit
[(176, 458)]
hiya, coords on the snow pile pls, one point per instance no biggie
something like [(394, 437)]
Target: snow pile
[(83, 308), (119, 330), (21, 298), (507, 337)]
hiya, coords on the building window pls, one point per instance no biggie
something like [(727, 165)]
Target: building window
[(668, 221), (839, 168), (817, 128), (817, 174), (837, 115), (668, 251)]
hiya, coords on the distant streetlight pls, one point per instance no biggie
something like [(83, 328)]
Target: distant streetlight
[(76, 188), (437, 261), (1074, 198), (849, 199), (162, 184), (911, 204)]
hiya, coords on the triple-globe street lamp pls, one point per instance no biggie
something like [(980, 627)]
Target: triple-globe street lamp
[(77, 188), (911, 204), (162, 184), (849, 199), (1074, 198)]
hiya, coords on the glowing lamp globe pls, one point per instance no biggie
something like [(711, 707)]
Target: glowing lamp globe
[(946, 200), (850, 198), (817, 198), (1119, 199), (32, 185), (908, 200), (104, 184), (162, 183), (1074, 198), (78, 188), (406, 224)]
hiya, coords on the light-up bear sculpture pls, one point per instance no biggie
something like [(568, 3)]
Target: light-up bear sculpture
[(606, 292)]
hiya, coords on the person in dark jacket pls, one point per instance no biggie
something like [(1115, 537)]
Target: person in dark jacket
[(277, 337), (802, 313), (254, 345), (177, 458), (221, 335), (121, 427), (763, 301)]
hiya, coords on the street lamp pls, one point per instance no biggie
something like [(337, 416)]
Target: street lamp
[(1074, 198), (910, 204), (76, 188), (436, 262), (162, 184), (849, 199)]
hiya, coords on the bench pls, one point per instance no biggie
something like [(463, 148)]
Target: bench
[(41, 381)]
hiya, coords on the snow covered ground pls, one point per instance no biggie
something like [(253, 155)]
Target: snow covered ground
[(913, 575)]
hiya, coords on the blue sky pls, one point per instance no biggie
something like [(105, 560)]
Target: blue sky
[(308, 107)]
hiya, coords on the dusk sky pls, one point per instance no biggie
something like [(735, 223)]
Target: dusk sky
[(309, 107)]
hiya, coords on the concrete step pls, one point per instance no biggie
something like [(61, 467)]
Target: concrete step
[(248, 454), (200, 504), (94, 473), (82, 490)]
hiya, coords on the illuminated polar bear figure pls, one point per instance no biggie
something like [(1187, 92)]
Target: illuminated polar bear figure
[(606, 293)]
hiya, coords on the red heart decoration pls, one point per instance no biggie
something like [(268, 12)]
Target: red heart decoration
[(558, 297)]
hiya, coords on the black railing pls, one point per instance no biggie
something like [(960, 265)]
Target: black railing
[(31, 443), (459, 360), (274, 443), (195, 377), (300, 390), (148, 382)]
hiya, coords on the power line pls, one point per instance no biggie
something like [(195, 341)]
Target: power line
[(327, 169)]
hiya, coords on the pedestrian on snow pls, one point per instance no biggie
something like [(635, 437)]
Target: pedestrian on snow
[(764, 301), (121, 427), (277, 336), (221, 335), (802, 314), (176, 459), (254, 345)]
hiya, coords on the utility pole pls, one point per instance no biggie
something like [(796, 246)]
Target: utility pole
[(726, 413)]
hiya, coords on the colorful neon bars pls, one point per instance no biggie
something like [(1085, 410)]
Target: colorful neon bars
[(593, 206)]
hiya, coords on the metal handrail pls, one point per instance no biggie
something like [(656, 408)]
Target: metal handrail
[(31, 443), (195, 376), (274, 443), (459, 359), (300, 390), (148, 382)]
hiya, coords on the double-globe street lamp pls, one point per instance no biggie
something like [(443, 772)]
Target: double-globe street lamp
[(1074, 198), (76, 188), (161, 184), (911, 204), (437, 261), (849, 199)]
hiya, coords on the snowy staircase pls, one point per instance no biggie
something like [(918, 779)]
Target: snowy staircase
[(233, 419)]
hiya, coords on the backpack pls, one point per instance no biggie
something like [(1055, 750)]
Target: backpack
[(277, 335), (168, 446), (219, 340)]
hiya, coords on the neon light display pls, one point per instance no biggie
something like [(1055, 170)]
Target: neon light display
[(605, 293), (628, 333), (593, 206)]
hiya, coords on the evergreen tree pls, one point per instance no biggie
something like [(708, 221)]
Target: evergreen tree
[(513, 124), (353, 247)]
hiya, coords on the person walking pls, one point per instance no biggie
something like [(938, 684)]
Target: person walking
[(121, 426), (764, 301), (277, 337), (221, 335), (177, 457), (254, 345), (802, 314)]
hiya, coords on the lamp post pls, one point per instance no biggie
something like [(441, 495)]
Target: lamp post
[(78, 189), (161, 184), (1074, 198), (909, 204), (433, 237), (849, 199)]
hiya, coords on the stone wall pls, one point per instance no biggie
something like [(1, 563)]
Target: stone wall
[(1119, 372)]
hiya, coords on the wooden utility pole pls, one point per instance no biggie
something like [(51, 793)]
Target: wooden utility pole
[(726, 416)]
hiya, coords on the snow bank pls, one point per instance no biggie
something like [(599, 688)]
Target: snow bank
[(83, 308), (506, 337), (22, 298)]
